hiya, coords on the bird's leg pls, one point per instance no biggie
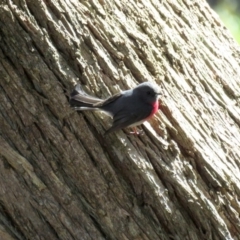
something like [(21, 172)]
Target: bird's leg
[(136, 132)]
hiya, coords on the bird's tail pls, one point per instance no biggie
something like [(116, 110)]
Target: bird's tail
[(80, 100)]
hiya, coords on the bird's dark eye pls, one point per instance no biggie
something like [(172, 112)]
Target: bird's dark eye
[(149, 93)]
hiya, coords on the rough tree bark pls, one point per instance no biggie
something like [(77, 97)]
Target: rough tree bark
[(61, 178)]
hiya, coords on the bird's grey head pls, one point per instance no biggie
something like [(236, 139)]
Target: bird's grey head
[(147, 91)]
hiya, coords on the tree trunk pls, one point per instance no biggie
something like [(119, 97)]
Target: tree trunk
[(61, 178)]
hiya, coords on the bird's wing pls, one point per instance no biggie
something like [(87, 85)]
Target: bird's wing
[(108, 100), (125, 119)]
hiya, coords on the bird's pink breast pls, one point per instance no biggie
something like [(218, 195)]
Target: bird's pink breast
[(154, 110)]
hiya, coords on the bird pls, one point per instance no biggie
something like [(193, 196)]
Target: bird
[(128, 108)]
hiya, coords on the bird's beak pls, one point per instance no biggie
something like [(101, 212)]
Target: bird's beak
[(158, 94)]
